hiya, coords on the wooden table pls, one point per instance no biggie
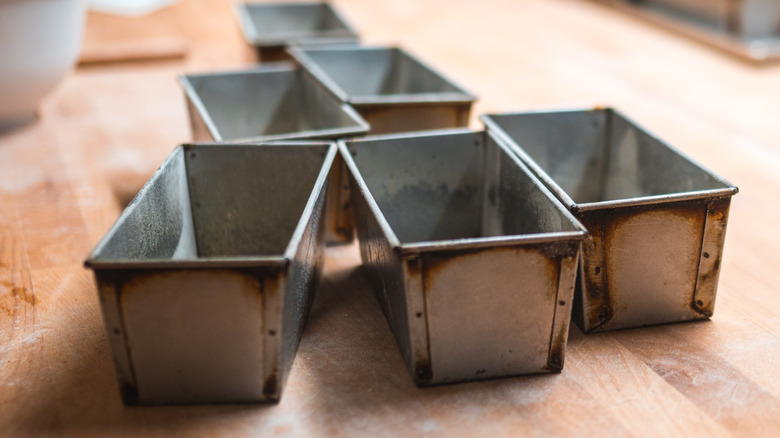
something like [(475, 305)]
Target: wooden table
[(64, 180)]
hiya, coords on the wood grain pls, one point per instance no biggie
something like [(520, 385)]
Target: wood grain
[(100, 135)]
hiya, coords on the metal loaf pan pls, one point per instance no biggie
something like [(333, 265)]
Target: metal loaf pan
[(271, 27), (747, 28), (747, 19), (273, 102), (657, 220), (206, 278), (472, 260), (392, 90)]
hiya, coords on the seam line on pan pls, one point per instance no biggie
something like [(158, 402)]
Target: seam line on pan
[(555, 312), (604, 301), (426, 314), (186, 150), (696, 308), (118, 297), (607, 151)]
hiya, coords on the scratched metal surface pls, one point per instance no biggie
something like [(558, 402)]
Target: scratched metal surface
[(207, 277), (472, 259)]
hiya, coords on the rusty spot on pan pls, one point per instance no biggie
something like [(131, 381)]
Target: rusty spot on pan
[(557, 352), (423, 373), (436, 261), (271, 385), (592, 301), (599, 253)]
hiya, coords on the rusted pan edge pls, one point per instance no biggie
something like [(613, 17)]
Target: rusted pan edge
[(269, 273), (713, 239), (562, 318), (419, 363), (596, 303), (111, 287)]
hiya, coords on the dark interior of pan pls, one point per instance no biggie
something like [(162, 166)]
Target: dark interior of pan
[(600, 156)]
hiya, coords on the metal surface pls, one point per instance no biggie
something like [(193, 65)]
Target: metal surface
[(271, 27), (206, 278), (473, 261), (391, 89), (656, 219), (747, 28), (273, 102)]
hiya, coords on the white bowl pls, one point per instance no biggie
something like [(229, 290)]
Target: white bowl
[(39, 44)]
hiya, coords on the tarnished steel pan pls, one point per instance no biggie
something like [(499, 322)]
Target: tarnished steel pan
[(472, 259), (271, 27), (749, 29), (656, 219), (392, 90), (206, 278), (272, 102)]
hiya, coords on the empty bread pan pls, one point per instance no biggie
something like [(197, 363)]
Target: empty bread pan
[(270, 27), (656, 219), (273, 102), (392, 90), (472, 260), (206, 278)]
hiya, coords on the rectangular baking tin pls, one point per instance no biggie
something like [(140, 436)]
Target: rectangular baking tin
[(391, 89), (271, 27), (272, 102), (749, 29), (206, 278), (472, 260), (656, 219)]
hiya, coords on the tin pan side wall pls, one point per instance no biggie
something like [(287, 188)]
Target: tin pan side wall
[(273, 102), (652, 264), (384, 270), (289, 22), (248, 200), (186, 336), (366, 72), (245, 104), (392, 90), (599, 155), (407, 75), (427, 187), (513, 202), (158, 222), (400, 117), (198, 128), (303, 278), (316, 109), (340, 226), (639, 165), (569, 146), (494, 312)]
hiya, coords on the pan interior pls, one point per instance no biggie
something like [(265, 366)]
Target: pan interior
[(600, 156)]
